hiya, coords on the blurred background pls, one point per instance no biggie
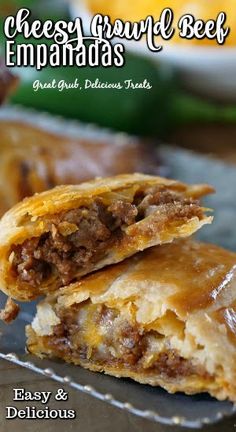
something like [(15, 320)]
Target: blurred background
[(193, 100), (192, 103)]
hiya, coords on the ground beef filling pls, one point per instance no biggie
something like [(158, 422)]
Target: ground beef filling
[(111, 341), (81, 237)]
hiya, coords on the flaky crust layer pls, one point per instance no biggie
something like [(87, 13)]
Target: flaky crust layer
[(31, 218), (186, 291)]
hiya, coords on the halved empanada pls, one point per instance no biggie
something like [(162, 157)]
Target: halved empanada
[(164, 317), (54, 238)]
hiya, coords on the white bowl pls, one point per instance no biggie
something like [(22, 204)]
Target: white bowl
[(210, 71)]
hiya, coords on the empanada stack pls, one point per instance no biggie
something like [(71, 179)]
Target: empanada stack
[(126, 292)]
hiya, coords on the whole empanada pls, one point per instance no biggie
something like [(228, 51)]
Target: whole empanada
[(164, 317), (53, 238), (35, 160)]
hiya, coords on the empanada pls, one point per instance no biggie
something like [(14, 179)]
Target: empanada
[(53, 238), (34, 160), (165, 317)]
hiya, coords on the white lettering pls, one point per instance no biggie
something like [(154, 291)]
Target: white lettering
[(212, 29)]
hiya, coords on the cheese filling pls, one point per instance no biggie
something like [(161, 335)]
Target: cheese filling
[(94, 334)]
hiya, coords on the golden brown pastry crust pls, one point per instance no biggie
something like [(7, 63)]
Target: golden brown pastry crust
[(34, 160), (33, 218), (185, 291)]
